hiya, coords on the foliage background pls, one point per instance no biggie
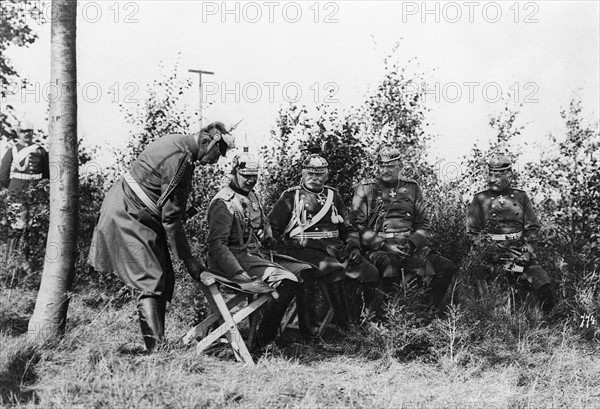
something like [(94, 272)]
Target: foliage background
[(496, 332)]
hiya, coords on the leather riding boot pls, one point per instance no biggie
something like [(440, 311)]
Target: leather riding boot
[(306, 305), (371, 296), (151, 313), (444, 271), (274, 313), (339, 302), (546, 298)]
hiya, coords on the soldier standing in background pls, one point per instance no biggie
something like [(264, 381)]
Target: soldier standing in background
[(312, 222), (143, 212), (23, 164), (503, 229), (391, 218)]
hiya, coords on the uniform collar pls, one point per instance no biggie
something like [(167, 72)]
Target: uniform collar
[(236, 189), (193, 142)]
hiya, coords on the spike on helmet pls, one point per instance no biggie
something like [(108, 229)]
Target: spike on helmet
[(387, 154), (499, 163), (245, 165), (315, 163)]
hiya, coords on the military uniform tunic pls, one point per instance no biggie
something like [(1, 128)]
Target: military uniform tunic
[(131, 236), (235, 220), (505, 218), (396, 214), (315, 228), (22, 165)]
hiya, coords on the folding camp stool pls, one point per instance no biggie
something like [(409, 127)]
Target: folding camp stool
[(221, 314)]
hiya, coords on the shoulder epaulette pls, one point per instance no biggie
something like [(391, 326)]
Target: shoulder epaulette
[(408, 180), (225, 194), (370, 181), (291, 189), (481, 191)]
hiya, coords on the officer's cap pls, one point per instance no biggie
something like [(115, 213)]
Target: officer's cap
[(315, 163), (499, 163), (388, 154), (246, 165)]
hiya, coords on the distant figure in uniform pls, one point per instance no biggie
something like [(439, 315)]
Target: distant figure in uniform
[(143, 212), (503, 229), (311, 221), (390, 216), (23, 164), (240, 244)]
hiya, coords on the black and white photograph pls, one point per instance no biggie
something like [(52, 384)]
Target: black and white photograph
[(299, 204)]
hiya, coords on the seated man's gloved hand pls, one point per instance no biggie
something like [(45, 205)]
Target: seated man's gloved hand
[(395, 249), (270, 243), (354, 257), (527, 253), (409, 247), (491, 252), (252, 284), (194, 267)]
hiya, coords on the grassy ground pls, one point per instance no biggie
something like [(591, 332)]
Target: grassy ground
[(516, 360)]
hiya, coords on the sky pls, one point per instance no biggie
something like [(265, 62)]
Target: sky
[(265, 55)]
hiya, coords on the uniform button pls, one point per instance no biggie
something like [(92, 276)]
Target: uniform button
[(306, 205), (316, 228), (493, 214), (512, 195)]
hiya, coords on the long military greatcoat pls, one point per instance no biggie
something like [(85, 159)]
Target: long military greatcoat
[(130, 239)]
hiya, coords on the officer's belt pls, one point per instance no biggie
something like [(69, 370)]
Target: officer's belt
[(141, 194), (394, 234), (25, 176), (507, 236), (317, 235)]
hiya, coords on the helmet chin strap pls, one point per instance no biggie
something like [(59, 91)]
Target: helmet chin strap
[(216, 138)]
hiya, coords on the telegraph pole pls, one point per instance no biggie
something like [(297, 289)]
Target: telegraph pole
[(200, 72)]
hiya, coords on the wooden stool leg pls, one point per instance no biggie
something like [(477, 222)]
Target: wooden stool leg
[(201, 330), (232, 333)]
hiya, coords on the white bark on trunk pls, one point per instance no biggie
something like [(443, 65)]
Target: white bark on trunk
[(50, 314)]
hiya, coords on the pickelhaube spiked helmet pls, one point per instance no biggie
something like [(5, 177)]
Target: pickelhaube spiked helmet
[(245, 164), (387, 154), (219, 135), (315, 163), (499, 163)]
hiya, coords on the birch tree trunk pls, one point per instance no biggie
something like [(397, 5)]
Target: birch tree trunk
[(50, 314)]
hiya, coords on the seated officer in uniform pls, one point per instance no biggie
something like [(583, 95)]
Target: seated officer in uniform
[(312, 222), (391, 218), (503, 229), (240, 243)]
